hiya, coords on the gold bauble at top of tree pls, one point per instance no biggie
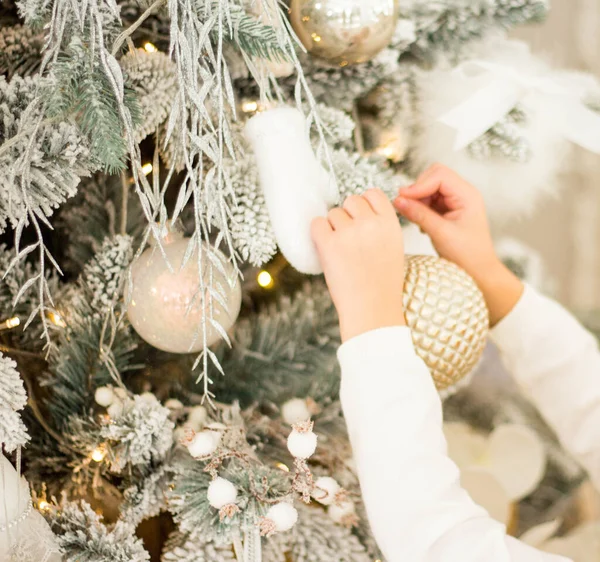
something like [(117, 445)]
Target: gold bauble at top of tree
[(448, 318), (344, 31)]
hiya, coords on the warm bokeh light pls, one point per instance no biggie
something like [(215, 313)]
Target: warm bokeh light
[(282, 466), (249, 106), (265, 279), (43, 505), (56, 319), (147, 168), (10, 323), (98, 454), (150, 48)]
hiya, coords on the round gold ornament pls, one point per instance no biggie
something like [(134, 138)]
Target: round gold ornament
[(446, 313), (344, 31)]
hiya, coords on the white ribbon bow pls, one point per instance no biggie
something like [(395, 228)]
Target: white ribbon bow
[(504, 89)]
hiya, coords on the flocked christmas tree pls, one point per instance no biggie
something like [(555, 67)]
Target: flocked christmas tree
[(132, 206)]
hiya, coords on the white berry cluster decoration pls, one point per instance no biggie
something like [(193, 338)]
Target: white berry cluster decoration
[(280, 517), (302, 441), (340, 508), (115, 399), (222, 495)]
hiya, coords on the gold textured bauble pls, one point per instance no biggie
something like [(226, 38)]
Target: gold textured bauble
[(447, 316), (344, 31)]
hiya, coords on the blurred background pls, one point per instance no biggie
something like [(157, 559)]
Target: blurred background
[(566, 231)]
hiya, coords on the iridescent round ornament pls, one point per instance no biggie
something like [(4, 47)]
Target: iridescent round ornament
[(344, 31), (448, 318), (166, 307)]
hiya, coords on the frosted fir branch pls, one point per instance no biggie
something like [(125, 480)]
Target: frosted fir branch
[(250, 224), (284, 351), (20, 50), (104, 275), (504, 139), (355, 174), (12, 389), (185, 547), (83, 537), (84, 91), (13, 398), (40, 162), (340, 87), (337, 124), (146, 498), (142, 434), (316, 537), (449, 25), (153, 79)]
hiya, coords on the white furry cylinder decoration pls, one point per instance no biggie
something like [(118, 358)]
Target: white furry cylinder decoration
[(510, 187), (296, 187), (22, 527)]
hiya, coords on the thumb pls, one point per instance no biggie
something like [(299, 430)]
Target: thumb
[(425, 218)]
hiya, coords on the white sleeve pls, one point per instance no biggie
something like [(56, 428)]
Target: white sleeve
[(557, 364), (417, 510)]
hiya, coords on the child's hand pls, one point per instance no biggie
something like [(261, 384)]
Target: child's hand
[(361, 251), (452, 212)]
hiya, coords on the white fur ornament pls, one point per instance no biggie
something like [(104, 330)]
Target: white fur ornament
[(302, 441), (296, 187), (509, 188)]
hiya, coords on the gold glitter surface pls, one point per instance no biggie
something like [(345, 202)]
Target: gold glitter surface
[(447, 316)]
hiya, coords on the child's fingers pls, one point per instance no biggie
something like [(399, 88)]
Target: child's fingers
[(357, 206), (424, 217), (338, 218), (320, 230), (379, 202)]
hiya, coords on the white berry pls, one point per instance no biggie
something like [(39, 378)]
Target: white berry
[(197, 417), (148, 397), (104, 396), (294, 411), (283, 515), (221, 492), (302, 445), (115, 409), (216, 430), (173, 404), (202, 445), (340, 511), (325, 490)]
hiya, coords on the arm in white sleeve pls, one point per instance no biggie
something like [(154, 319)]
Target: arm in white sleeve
[(417, 510), (557, 364)]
